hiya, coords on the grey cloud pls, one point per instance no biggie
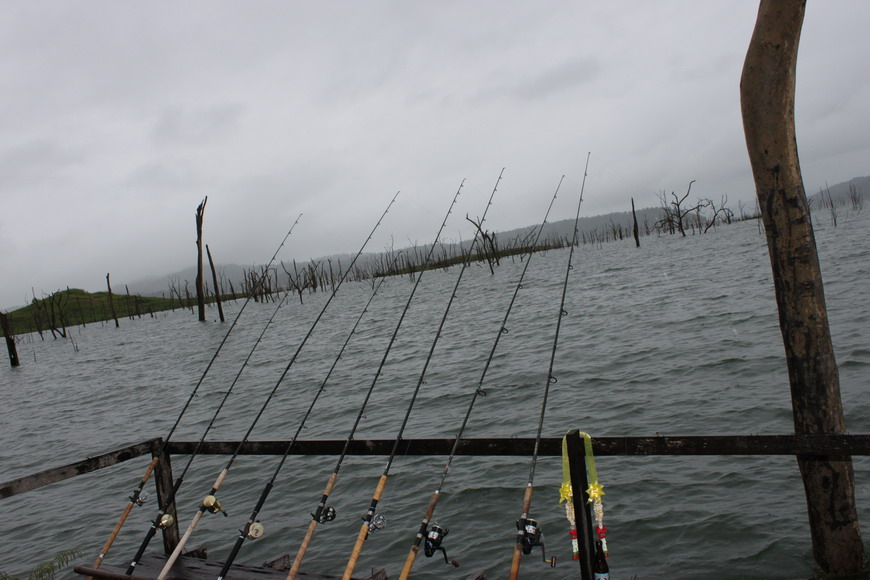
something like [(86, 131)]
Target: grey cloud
[(34, 162), (196, 126)]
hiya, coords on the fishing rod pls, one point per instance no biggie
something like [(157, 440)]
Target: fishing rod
[(253, 528), (529, 534), (138, 497), (159, 521), (370, 519), (434, 537), (322, 513), (210, 503)]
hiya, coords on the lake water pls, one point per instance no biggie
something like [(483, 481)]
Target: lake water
[(679, 337)]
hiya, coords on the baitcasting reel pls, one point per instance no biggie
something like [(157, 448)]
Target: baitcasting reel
[(532, 536), (139, 496), (433, 544), (326, 515), (255, 530), (211, 504), (165, 521)]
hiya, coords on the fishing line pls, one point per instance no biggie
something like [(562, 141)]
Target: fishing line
[(137, 497), (253, 529), (322, 513), (370, 518), (210, 503), (528, 533), (435, 536)]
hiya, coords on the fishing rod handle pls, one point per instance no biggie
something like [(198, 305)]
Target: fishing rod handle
[(193, 523), (357, 550), (297, 562), (124, 514), (219, 480), (421, 535), (181, 543), (364, 529), (409, 562), (518, 548), (309, 534)]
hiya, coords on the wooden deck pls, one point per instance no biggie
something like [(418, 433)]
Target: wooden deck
[(189, 568)]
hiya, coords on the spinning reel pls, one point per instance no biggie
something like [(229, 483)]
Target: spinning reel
[(433, 544), (532, 536), (377, 523), (139, 497)]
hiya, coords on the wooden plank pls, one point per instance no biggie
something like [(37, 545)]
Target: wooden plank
[(803, 445), (187, 568), (55, 474)]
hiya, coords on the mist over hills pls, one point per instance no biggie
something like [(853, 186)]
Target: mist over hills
[(592, 225)]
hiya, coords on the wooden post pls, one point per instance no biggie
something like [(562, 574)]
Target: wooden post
[(767, 91), (163, 481), (6, 324), (582, 513), (112, 302), (200, 294), (214, 279)]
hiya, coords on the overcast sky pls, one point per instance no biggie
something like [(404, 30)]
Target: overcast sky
[(116, 118)]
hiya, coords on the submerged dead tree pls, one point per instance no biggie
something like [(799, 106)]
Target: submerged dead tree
[(6, 325), (767, 92), (112, 301), (217, 288), (200, 294)]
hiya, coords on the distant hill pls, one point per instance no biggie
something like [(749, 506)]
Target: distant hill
[(841, 191), (594, 227)]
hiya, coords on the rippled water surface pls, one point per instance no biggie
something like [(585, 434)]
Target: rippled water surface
[(679, 337)]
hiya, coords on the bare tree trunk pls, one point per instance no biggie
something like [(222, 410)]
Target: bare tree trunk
[(112, 302), (767, 90), (200, 294), (634, 226), (217, 292), (6, 325)]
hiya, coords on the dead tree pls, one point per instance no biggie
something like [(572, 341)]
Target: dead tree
[(634, 225), (200, 295), (294, 281), (489, 250), (6, 325), (675, 213), (112, 302), (721, 209), (214, 278), (767, 92)]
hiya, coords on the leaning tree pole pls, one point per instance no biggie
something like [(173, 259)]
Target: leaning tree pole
[(767, 91)]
